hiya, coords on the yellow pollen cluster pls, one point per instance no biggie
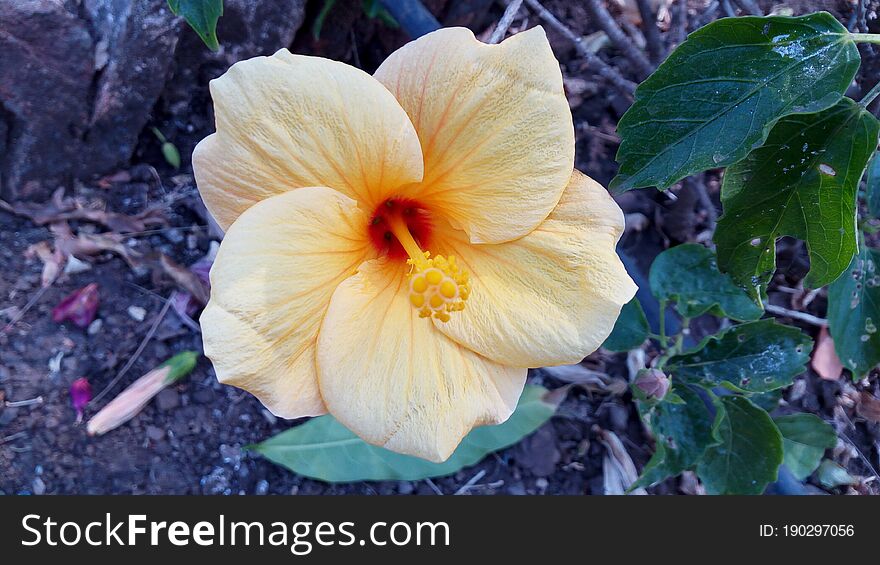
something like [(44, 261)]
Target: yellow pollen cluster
[(437, 286)]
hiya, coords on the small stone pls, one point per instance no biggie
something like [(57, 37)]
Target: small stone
[(137, 313), (155, 433), (405, 487), (262, 487), (95, 326), (541, 483), (167, 400), (39, 487)]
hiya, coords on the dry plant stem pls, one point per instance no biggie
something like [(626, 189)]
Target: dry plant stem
[(794, 314), (604, 70), (652, 33), (728, 9), (870, 96), (705, 201), (620, 40), (505, 21), (152, 331), (679, 23), (708, 14), (750, 7), (27, 307)]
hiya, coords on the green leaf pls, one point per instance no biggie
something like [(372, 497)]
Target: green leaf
[(324, 449), (873, 185), (202, 16), (801, 183), (630, 330), (831, 475), (752, 357), (854, 313), (749, 451), (805, 437), (688, 275), (717, 94), (171, 154), (683, 432)]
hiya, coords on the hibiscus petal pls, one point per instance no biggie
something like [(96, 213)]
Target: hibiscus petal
[(495, 127), (394, 380), (552, 297), (290, 121), (270, 286)]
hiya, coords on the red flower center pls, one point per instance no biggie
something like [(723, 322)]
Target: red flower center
[(416, 217)]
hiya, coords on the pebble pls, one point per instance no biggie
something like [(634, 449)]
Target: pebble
[(167, 400), (203, 395), (137, 313), (262, 487), (95, 326), (39, 487), (405, 487), (155, 433)]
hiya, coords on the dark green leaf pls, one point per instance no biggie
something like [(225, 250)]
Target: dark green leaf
[(768, 401), (324, 449), (749, 451), (682, 431), (873, 185), (805, 438), (630, 330), (802, 183), (854, 313), (202, 16), (717, 94), (688, 275), (752, 357)]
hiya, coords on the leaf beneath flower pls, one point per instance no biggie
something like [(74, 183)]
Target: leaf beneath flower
[(324, 449)]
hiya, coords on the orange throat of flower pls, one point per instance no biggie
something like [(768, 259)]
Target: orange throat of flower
[(437, 285)]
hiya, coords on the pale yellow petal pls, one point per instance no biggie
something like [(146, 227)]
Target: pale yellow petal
[(495, 127), (290, 121), (270, 286), (394, 380), (551, 297)]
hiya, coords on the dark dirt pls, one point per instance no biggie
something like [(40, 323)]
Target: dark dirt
[(191, 438)]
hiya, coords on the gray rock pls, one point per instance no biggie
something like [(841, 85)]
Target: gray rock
[(78, 80)]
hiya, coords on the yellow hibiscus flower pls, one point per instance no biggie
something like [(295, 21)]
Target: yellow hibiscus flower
[(402, 246)]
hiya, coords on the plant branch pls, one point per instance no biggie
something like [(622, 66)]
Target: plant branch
[(602, 68), (620, 40), (652, 33), (505, 21), (870, 96), (795, 315), (865, 37)]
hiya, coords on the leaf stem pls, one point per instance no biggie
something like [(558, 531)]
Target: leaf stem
[(663, 322), (865, 37), (870, 96)]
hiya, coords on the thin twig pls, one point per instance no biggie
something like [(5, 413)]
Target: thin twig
[(13, 437), (467, 486), (24, 310), (652, 33), (706, 202), (708, 14), (603, 69), (679, 23), (620, 40), (22, 403), (750, 7), (794, 314), (159, 317), (434, 487), (505, 21), (728, 9)]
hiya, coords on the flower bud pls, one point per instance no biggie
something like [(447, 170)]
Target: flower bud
[(132, 400), (653, 383), (80, 395)]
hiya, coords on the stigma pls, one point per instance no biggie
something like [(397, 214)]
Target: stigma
[(437, 285)]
